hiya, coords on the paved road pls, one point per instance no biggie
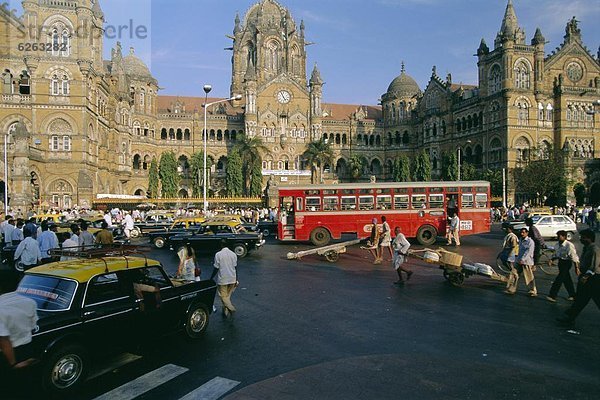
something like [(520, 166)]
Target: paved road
[(315, 330)]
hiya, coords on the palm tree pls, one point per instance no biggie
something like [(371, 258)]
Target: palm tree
[(250, 149), (318, 153)]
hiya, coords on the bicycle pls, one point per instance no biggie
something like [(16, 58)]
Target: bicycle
[(545, 262)]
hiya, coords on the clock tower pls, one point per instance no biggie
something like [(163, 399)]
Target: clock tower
[(269, 69)]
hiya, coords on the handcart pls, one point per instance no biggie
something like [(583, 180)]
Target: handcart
[(331, 252), (455, 271)]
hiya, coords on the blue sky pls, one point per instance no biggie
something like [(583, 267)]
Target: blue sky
[(359, 44)]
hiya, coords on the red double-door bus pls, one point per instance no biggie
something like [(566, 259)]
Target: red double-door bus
[(319, 213)]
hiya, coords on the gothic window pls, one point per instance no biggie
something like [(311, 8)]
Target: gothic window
[(136, 162), (147, 161), (478, 156), (372, 140), (212, 134), (545, 150), (494, 114), (366, 139), (393, 113), (142, 99), (171, 134), (137, 129), (405, 138), (146, 129), (54, 143), (398, 138), (132, 94), (495, 79), (469, 122), (344, 139), (186, 135), (522, 106), (458, 125), (25, 83), (549, 113), (523, 149), (495, 153), (7, 82), (378, 140), (338, 139), (272, 60), (359, 138), (60, 37), (179, 135), (163, 134), (521, 73), (443, 127)]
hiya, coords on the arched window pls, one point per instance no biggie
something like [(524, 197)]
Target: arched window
[(171, 134), (469, 122), (60, 38), (372, 140), (521, 73), (142, 99), (338, 139), (405, 138), (147, 161), (359, 138), (211, 134), (522, 106), (523, 148), (179, 135), (272, 61), (163, 134), (344, 139), (25, 83), (146, 129), (136, 161), (398, 138), (495, 153), (495, 79), (219, 135), (186, 135), (55, 85), (478, 156), (545, 150), (137, 129), (443, 127), (378, 140), (7, 82)]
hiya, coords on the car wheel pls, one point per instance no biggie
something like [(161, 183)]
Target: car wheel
[(196, 321), (65, 369), (320, 237), (19, 267), (266, 233), (570, 236), (135, 232), (159, 242), (240, 250), (427, 235)]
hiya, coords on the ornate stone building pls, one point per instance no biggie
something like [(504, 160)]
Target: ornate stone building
[(78, 125)]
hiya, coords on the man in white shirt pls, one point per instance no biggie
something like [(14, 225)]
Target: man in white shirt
[(8, 232), (29, 251), (108, 218), (127, 225), (18, 318), (401, 246), (226, 273), (454, 232)]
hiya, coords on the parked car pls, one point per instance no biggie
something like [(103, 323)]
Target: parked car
[(88, 307), (153, 223), (548, 225), (207, 239), (522, 218), (267, 228), (159, 238)]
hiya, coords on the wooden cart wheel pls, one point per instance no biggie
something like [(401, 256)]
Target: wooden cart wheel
[(456, 279), (332, 256)]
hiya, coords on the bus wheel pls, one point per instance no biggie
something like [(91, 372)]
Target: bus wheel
[(320, 237), (427, 235)]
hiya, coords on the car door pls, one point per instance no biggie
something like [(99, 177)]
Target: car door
[(544, 225), (157, 302), (108, 310)]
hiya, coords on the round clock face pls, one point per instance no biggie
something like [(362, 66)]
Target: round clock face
[(574, 72), (283, 96)]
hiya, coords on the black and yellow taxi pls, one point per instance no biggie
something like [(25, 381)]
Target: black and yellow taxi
[(109, 300), (181, 225)]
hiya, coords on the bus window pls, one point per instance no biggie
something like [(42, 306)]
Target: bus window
[(481, 201), (348, 203), (467, 201), (330, 203), (366, 203), (436, 201), (436, 190), (313, 204), (401, 202), (481, 189), (347, 191), (299, 205), (467, 190), (401, 190), (419, 190), (384, 202), (329, 192), (419, 201)]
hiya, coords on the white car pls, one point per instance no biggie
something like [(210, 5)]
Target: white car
[(548, 225)]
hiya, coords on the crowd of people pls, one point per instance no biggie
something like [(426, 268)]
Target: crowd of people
[(585, 214)]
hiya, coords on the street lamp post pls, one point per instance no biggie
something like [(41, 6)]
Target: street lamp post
[(6, 135), (207, 89)]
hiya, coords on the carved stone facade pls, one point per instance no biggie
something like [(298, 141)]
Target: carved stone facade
[(95, 125)]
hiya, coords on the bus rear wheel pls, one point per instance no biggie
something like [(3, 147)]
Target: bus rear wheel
[(427, 235), (320, 237)]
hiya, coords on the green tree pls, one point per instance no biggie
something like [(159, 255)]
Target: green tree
[(468, 172), (579, 192), (402, 168), (249, 149), (494, 177), (356, 166), (449, 166), (256, 182), (153, 179), (422, 167), (543, 181), (317, 154), (234, 181), (169, 176), (197, 172)]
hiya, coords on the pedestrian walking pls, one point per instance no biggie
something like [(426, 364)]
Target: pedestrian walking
[(373, 243), (47, 241), (104, 237), (454, 232), (538, 240), (523, 265), (510, 248), (17, 234), (386, 239), (588, 287), (187, 264), (128, 225), (28, 251), (225, 270), (18, 319), (401, 246), (86, 239), (566, 255)]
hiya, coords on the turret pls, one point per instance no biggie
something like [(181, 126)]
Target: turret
[(538, 42), (316, 95), (510, 32)]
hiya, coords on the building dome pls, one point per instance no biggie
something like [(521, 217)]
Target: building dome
[(403, 86), (135, 67), (268, 12)]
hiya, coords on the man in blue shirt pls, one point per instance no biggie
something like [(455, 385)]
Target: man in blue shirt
[(47, 241)]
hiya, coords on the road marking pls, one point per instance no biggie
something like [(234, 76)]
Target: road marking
[(144, 383), (115, 363), (211, 390)]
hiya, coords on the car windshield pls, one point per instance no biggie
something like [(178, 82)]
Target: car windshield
[(50, 294), (536, 218)]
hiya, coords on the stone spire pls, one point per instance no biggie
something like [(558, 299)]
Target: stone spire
[(483, 48), (97, 10), (510, 29), (538, 38), (237, 28), (315, 77)]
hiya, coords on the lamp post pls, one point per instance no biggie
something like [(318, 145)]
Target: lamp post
[(207, 89), (6, 136)]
